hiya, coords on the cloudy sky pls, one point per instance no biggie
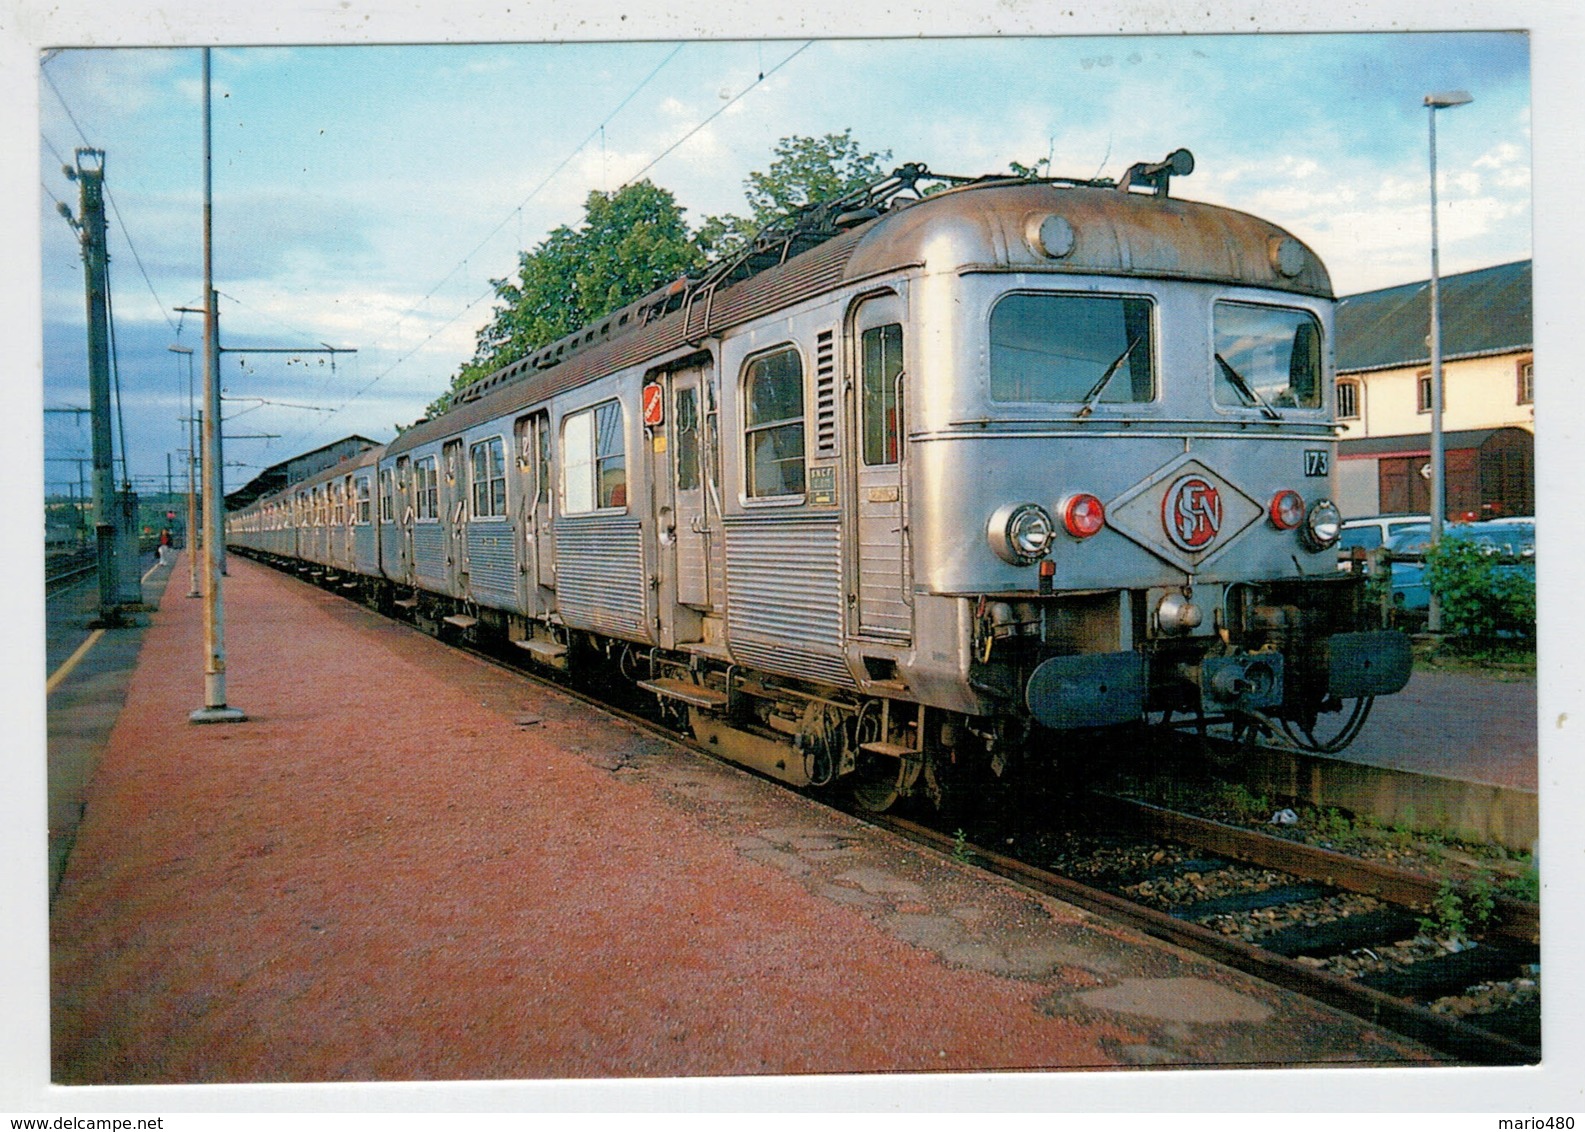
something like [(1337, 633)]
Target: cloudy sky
[(365, 196)]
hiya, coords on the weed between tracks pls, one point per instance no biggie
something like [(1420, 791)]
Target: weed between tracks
[(1490, 868)]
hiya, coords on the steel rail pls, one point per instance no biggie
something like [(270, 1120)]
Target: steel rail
[(1517, 919), (1439, 1031)]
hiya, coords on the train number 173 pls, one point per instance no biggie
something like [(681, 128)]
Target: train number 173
[(1316, 462)]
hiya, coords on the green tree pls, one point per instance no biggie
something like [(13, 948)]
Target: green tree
[(802, 170), (631, 241), (635, 240)]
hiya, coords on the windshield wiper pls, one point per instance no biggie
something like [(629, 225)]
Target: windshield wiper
[(1111, 371), (1243, 387)]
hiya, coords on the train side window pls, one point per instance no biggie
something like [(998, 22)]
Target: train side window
[(1053, 347), (881, 362), (363, 501), (542, 444), (773, 424), (387, 495), (594, 460), (687, 432), (487, 465), (1267, 356), (426, 489)]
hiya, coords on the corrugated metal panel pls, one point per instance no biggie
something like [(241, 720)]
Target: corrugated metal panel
[(784, 595), (883, 603), (600, 582), (492, 564), (365, 549), (391, 538), (429, 554)]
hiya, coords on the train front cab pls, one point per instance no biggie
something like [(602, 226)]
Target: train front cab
[(1121, 479)]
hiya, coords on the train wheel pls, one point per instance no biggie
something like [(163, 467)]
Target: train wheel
[(880, 780)]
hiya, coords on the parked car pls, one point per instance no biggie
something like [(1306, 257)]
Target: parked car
[(1511, 541), (1370, 533)]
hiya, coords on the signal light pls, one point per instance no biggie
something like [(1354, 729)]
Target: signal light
[(1286, 510), (1083, 515)]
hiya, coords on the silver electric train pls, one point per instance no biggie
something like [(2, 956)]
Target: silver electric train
[(918, 485)]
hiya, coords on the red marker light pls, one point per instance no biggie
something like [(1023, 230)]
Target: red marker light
[(1083, 515), (1287, 510)]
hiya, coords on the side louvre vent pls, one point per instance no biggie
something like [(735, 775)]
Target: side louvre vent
[(825, 394)]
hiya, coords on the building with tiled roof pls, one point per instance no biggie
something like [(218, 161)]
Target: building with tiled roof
[(1384, 396)]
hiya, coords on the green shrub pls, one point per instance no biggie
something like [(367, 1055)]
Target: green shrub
[(1478, 595)]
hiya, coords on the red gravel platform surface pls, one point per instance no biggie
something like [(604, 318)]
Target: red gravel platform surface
[(408, 864)]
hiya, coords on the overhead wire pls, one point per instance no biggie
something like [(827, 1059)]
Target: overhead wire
[(126, 233), (517, 211), (115, 369), (719, 111), (761, 76), (598, 131)]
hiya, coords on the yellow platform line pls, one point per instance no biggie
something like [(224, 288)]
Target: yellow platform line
[(65, 670)]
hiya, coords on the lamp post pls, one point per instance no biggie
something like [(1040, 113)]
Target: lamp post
[(1433, 103), (191, 540), (215, 709)]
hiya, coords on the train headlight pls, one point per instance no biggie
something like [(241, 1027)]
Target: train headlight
[(1083, 515), (1286, 510), (1322, 525), (1020, 533)]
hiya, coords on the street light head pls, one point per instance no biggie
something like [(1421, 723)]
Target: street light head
[(1447, 98), (180, 349)]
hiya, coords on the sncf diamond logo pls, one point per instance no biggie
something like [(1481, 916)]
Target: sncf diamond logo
[(1184, 513), (1191, 512)]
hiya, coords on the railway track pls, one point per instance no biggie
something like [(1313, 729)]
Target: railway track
[(67, 571), (1395, 1002)]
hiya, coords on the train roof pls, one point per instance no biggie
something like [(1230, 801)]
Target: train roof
[(1004, 225), (364, 458)]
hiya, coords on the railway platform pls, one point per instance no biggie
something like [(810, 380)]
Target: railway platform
[(411, 865), (1454, 751)]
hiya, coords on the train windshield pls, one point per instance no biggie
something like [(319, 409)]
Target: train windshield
[(1267, 358), (1072, 348)]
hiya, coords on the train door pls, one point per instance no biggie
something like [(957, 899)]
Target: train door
[(675, 418), (348, 501), (454, 516), (880, 530), (695, 519), (532, 514), (405, 516)]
